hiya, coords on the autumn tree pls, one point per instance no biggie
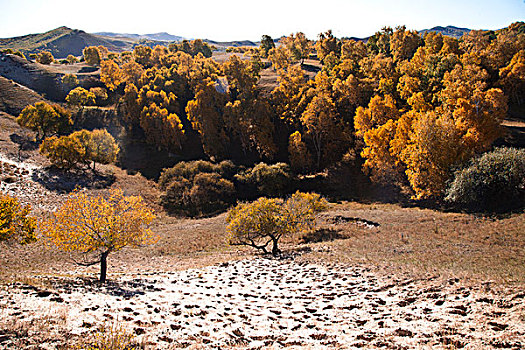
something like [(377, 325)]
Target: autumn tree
[(70, 80), (100, 94), (15, 222), (512, 77), (45, 57), (45, 119), (265, 221), (92, 55), (96, 226), (64, 152), (80, 148), (72, 59), (300, 158), (80, 97), (267, 44), (298, 46), (110, 74), (280, 57), (327, 44)]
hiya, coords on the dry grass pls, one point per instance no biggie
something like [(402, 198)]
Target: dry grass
[(423, 241)]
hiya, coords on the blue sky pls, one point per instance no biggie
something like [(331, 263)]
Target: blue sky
[(238, 19)]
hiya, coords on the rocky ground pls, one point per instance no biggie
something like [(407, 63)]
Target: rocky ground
[(265, 303)]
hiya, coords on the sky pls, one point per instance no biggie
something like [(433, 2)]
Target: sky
[(225, 20)]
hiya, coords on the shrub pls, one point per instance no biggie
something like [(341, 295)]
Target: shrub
[(494, 182), (70, 80), (101, 95), (14, 220), (198, 187), (267, 220), (270, 180), (45, 57), (45, 119), (80, 148)]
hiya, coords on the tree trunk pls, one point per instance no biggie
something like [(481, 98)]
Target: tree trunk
[(275, 249), (103, 266)]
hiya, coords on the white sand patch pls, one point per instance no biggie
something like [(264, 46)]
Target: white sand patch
[(261, 303)]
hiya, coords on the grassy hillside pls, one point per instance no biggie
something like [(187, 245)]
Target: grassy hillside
[(64, 41)]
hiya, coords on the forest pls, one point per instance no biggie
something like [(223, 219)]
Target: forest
[(411, 111)]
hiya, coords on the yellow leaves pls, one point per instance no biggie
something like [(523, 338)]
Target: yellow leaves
[(80, 97), (110, 74), (268, 219), (15, 222), (100, 223)]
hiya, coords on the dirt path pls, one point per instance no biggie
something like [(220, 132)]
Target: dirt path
[(269, 303)]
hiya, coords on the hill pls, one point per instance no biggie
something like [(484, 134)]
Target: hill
[(448, 31), (163, 36), (64, 41)]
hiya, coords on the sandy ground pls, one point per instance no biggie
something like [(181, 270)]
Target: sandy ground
[(275, 303)]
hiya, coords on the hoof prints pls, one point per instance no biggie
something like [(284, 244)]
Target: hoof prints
[(266, 302)]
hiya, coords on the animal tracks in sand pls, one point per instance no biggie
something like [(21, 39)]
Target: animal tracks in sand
[(264, 302)]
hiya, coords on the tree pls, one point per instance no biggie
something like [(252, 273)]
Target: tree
[(92, 55), (72, 59), (266, 221), (80, 97), (101, 95), (298, 46), (512, 77), (280, 57), (96, 226), (64, 152), (70, 80), (15, 222), (327, 44), (110, 74), (300, 158), (45, 119), (99, 146), (45, 57), (266, 45), (493, 182)]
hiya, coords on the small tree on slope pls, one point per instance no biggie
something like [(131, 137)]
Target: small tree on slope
[(99, 225)]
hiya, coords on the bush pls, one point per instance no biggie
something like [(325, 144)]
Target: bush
[(494, 182), (198, 187), (45, 57), (15, 222), (80, 148), (267, 220), (269, 180)]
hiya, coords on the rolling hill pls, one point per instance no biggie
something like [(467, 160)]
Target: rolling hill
[(448, 31), (163, 36), (64, 41)]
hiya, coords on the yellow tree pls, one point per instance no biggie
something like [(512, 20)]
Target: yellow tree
[(206, 115), (512, 77), (110, 74), (15, 222), (92, 55), (280, 57), (327, 135), (80, 97), (267, 220), (300, 158), (298, 46), (45, 119), (96, 226)]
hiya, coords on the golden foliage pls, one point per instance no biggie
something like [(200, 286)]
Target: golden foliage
[(99, 225), (45, 119), (267, 220), (15, 222), (110, 74)]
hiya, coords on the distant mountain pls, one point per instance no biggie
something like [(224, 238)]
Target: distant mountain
[(64, 41), (163, 36), (448, 31), (231, 43)]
